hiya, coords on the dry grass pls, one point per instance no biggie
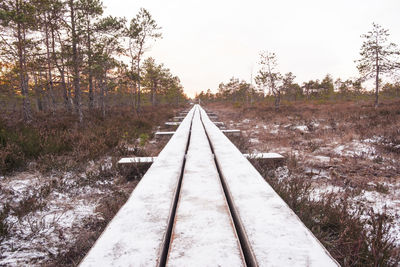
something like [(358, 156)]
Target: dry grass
[(352, 148), (83, 172), (59, 141), (92, 229), (327, 127)]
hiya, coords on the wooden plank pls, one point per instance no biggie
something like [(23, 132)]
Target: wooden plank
[(233, 132), (203, 233), (137, 160), (163, 134), (179, 118), (172, 123), (136, 235), (274, 233), (264, 156), (152, 159)]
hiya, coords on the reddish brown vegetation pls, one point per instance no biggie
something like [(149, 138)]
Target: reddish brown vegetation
[(61, 142), (337, 154)]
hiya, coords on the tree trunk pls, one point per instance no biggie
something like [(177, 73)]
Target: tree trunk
[(38, 94), (102, 92), (90, 73), (67, 103), (50, 86), (153, 94), (70, 103), (377, 81), (75, 59), (23, 75), (138, 86), (277, 100), (61, 69), (134, 94)]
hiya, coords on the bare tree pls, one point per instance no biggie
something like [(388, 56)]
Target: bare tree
[(377, 56)]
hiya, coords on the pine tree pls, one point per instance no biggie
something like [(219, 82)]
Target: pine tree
[(269, 77), (377, 56), (142, 28), (17, 22)]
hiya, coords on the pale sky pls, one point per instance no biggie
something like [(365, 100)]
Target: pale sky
[(207, 42)]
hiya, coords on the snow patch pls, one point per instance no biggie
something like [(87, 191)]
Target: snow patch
[(315, 173), (384, 203), (356, 149), (282, 173), (322, 159), (301, 128), (319, 192), (254, 140)]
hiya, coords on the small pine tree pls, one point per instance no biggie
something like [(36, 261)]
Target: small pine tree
[(378, 56)]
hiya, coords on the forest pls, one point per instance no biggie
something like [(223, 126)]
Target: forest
[(66, 55), (65, 68)]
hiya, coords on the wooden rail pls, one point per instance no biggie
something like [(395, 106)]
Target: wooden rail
[(202, 203), (272, 232), (138, 232), (203, 232)]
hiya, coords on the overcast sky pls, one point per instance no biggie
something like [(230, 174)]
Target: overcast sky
[(207, 42)]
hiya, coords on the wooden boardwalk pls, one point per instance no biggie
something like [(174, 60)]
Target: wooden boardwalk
[(202, 203)]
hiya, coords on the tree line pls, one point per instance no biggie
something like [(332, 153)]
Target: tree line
[(378, 57), (66, 55)]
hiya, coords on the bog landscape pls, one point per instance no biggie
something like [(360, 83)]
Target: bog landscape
[(110, 157)]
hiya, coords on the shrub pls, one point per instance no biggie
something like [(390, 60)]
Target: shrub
[(94, 226), (144, 137), (59, 135), (353, 235), (4, 226)]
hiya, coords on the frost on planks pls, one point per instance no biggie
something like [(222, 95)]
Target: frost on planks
[(172, 123), (137, 160), (136, 234), (264, 156), (179, 118), (276, 235), (203, 233)]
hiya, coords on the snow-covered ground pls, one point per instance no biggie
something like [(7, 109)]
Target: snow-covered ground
[(333, 162), (46, 213)]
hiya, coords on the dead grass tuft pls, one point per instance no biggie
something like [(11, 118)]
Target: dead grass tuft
[(352, 234), (53, 137), (350, 147)]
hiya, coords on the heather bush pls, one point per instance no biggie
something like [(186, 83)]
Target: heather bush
[(48, 138), (354, 235)]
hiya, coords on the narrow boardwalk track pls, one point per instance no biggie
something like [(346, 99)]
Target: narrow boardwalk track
[(202, 203), (203, 229)]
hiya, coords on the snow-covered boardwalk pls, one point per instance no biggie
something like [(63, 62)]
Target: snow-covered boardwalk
[(202, 203)]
